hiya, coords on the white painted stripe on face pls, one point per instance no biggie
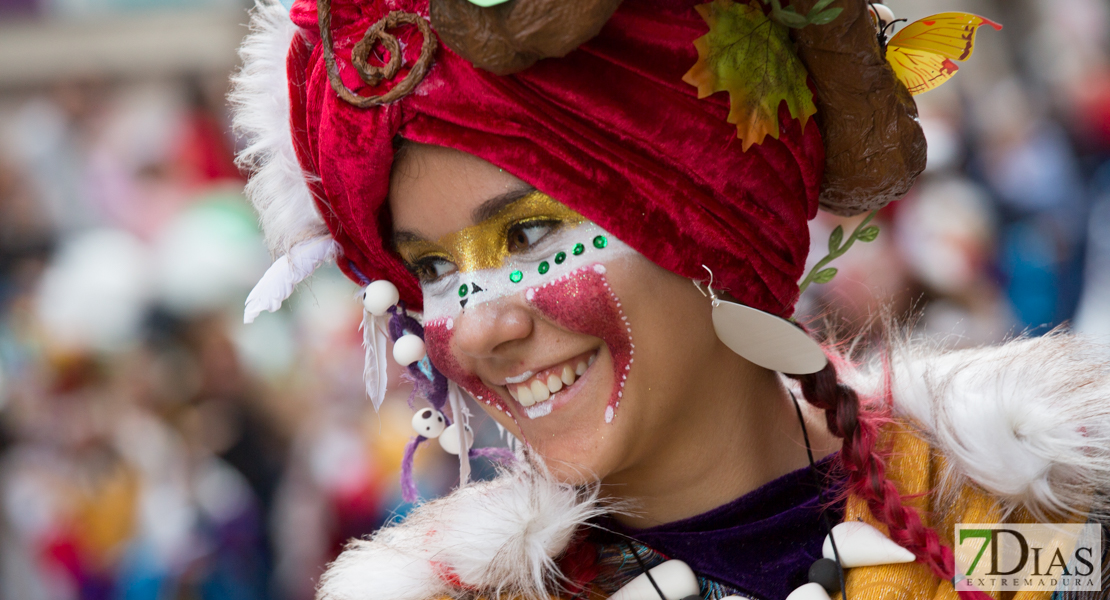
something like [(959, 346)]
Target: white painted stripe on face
[(443, 299)]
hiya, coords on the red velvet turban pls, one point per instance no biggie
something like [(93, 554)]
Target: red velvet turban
[(610, 130)]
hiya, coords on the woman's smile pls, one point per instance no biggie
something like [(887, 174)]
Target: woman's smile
[(541, 391)]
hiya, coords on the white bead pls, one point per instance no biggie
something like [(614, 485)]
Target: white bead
[(883, 12), (409, 349), (449, 439), (809, 591), (379, 296), (674, 578), (861, 545), (429, 423)]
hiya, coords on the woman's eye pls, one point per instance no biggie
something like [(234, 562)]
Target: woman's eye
[(430, 269), (525, 235)]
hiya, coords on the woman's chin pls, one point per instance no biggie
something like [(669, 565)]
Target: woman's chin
[(573, 436)]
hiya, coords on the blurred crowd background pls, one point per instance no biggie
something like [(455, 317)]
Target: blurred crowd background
[(154, 447)]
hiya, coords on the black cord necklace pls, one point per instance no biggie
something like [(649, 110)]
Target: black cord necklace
[(820, 494), (820, 500)]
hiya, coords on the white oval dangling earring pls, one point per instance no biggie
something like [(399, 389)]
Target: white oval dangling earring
[(762, 338)]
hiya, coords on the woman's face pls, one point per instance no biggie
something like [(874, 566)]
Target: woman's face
[(577, 344)]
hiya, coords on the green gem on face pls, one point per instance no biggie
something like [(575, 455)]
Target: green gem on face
[(600, 242), (544, 267), (463, 290), (578, 249), (560, 257), (516, 276)]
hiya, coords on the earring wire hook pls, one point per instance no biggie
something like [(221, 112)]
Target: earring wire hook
[(708, 291)]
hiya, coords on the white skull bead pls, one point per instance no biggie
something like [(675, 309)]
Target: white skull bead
[(429, 423), (379, 296), (409, 349), (449, 440)]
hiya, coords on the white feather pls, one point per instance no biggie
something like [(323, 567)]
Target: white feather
[(260, 104), (1028, 421), (499, 538), (287, 271), (375, 370), (462, 416)]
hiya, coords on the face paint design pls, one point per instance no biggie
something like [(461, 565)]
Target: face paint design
[(487, 245), (561, 273), (583, 302)]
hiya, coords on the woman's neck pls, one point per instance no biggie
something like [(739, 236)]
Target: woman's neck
[(740, 432)]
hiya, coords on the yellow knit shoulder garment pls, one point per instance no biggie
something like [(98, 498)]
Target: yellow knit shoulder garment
[(917, 471)]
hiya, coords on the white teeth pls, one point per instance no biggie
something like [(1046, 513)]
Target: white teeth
[(593, 357), (540, 391), (524, 396)]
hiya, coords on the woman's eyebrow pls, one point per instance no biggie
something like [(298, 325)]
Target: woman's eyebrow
[(494, 205), (486, 210), (405, 237)]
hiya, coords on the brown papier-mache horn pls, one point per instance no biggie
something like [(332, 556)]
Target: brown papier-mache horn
[(875, 148), (510, 37), (874, 145)]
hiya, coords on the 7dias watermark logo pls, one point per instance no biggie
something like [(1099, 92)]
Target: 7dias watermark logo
[(1042, 557)]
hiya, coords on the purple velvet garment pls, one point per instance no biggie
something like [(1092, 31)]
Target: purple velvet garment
[(761, 544)]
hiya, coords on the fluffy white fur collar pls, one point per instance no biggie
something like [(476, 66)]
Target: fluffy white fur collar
[(1028, 421)]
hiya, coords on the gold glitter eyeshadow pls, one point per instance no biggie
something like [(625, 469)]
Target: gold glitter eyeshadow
[(486, 245)]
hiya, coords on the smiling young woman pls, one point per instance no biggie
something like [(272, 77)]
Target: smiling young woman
[(628, 394), (582, 245)]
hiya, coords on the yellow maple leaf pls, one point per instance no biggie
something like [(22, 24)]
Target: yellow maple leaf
[(752, 58)]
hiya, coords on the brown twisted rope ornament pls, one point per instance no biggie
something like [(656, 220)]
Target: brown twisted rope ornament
[(373, 75)]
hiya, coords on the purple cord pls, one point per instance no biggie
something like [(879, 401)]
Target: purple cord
[(409, 492), (495, 454), (433, 389)]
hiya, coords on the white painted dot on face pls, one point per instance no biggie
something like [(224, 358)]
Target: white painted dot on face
[(530, 294), (450, 323), (608, 414), (599, 268)]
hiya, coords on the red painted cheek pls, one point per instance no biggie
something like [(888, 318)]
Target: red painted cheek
[(583, 302), (437, 339)]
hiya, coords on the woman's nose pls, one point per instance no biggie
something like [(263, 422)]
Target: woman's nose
[(489, 330)]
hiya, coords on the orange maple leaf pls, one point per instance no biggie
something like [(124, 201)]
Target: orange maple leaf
[(752, 58)]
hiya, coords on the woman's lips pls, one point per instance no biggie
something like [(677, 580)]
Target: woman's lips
[(535, 391)]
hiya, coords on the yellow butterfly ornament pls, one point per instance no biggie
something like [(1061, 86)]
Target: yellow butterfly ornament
[(922, 53)]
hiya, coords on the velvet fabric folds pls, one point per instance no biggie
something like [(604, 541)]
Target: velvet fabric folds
[(610, 130)]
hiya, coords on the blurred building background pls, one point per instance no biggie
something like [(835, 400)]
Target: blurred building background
[(153, 447)]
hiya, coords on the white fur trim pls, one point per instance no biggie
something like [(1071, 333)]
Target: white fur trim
[(500, 538), (287, 271), (1029, 421), (260, 102)]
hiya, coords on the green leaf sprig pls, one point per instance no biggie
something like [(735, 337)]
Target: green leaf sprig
[(822, 272), (818, 15)]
